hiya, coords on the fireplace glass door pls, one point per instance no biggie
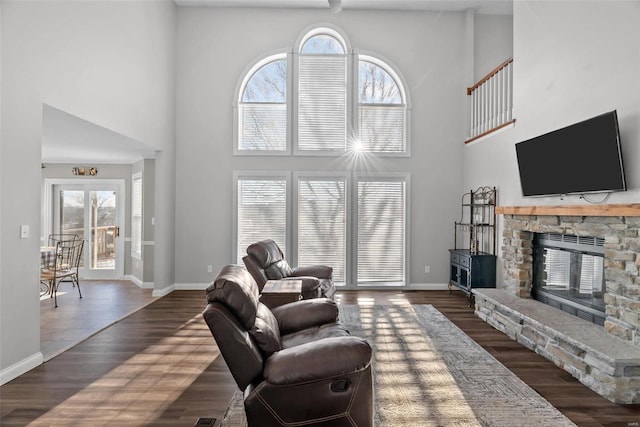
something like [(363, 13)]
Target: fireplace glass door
[(569, 272)]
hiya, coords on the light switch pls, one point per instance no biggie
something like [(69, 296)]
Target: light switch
[(24, 232)]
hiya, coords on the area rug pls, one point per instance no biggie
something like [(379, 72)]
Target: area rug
[(428, 372)]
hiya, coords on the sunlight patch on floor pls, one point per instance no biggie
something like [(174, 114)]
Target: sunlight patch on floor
[(138, 390)]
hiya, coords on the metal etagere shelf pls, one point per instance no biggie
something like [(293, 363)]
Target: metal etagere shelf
[(472, 259), (476, 229)]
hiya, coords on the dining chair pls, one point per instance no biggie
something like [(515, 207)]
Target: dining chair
[(68, 256), (55, 238)]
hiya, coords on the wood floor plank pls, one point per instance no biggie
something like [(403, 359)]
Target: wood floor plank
[(161, 367)]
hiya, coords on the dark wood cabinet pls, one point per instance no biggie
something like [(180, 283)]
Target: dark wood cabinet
[(472, 260), (468, 271)]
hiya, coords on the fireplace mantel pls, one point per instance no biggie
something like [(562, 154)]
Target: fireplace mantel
[(572, 210)]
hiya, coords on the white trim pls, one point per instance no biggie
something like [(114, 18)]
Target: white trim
[(164, 291), (267, 175), (21, 367), (190, 286), (88, 184), (245, 76), (427, 287), (323, 28), (138, 282)]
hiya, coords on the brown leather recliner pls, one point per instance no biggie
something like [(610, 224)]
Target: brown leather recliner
[(265, 261), (297, 364)]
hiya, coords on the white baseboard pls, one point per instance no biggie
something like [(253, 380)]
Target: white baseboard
[(428, 287), (164, 291), (180, 287), (140, 283), (17, 369), (191, 286)]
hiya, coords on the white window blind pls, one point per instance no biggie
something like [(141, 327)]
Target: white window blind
[(262, 212), (322, 103), (382, 128), (591, 274), (557, 265), (381, 231), (136, 216), (262, 116), (322, 224), (382, 110), (263, 127)]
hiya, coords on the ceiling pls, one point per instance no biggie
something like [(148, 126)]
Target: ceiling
[(69, 139), (500, 7)]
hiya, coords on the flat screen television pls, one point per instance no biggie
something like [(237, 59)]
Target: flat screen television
[(581, 158)]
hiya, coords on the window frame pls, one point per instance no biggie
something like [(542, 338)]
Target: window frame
[(246, 75), (351, 180), (352, 104), (137, 177), (394, 177), (266, 176), (395, 74), (294, 225)]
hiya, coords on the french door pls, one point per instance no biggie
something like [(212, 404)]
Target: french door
[(94, 211)]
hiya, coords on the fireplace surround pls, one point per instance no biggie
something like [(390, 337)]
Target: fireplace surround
[(607, 359)]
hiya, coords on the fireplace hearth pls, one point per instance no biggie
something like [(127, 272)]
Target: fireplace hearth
[(597, 252)]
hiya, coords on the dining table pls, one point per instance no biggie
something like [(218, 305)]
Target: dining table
[(47, 257)]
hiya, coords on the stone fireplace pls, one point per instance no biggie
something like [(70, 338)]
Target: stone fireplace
[(604, 356)]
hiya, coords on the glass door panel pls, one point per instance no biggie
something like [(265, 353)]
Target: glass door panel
[(104, 229), (72, 214), (92, 211)]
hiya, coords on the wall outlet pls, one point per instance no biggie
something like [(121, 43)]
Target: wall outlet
[(427, 269), (209, 268)]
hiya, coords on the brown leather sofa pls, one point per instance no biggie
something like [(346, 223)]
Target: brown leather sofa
[(265, 261), (297, 364)]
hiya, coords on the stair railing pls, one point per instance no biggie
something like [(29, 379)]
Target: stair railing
[(492, 101)]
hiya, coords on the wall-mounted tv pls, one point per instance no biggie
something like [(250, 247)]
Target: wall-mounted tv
[(581, 158)]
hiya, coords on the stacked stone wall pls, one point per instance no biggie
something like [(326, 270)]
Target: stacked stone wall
[(622, 262)]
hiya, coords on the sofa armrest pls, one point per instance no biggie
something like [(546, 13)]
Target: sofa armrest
[(321, 359), (299, 315), (319, 271)]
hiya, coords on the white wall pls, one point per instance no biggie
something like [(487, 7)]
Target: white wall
[(572, 60), (108, 62), (215, 46), (493, 42)]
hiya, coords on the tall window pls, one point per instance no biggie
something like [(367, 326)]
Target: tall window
[(261, 212), (322, 217), (381, 226), (136, 216), (322, 95), (322, 223), (322, 98)]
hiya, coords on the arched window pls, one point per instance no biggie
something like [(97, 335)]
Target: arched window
[(322, 93), (339, 101), (262, 107), (382, 109)]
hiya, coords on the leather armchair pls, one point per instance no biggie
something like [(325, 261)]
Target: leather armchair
[(265, 261), (297, 364)]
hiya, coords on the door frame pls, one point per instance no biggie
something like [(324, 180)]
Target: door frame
[(88, 184)]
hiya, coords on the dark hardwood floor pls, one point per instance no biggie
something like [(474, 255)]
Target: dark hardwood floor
[(160, 367)]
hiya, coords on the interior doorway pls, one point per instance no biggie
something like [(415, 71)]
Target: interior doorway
[(95, 211)]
